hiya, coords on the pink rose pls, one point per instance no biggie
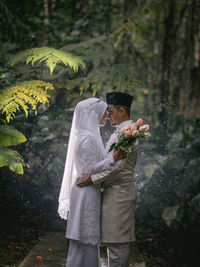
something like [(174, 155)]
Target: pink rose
[(124, 131), (135, 133), (144, 128), (133, 127), (128, 133), (139, 122), (129, 127)]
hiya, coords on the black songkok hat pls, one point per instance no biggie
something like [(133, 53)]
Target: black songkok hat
[(118, 98)]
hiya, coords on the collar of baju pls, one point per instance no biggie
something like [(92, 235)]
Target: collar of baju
[(123, 124)]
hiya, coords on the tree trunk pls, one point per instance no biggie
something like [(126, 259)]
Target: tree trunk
[(46, 23), (190, 89), (194, 94), (177, 95), (166, 64)]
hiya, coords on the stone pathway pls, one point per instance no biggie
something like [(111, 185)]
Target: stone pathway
[(51, 251)]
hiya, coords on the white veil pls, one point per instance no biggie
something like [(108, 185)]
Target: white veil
[(87, 115)]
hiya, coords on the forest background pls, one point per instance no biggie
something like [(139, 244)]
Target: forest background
[(148, 48)]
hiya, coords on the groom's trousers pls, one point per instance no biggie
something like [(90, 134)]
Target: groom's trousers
[(118, 254)]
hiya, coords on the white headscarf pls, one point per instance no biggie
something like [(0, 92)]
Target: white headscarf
[(87, 115)]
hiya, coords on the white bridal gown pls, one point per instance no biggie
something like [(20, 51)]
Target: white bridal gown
[(81, 206), (83, 225)]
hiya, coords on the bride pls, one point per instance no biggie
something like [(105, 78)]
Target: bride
[(81, 206)]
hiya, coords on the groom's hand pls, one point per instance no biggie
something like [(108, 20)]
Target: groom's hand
[(83, 180), (119, 154)]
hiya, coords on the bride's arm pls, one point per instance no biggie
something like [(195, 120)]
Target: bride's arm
[(88, 154)]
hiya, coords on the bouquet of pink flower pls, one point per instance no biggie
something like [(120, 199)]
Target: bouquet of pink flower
[(129, 134)]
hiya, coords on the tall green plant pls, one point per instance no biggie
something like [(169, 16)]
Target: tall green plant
[(25, 96)]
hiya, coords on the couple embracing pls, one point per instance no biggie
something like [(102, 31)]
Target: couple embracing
[(97, 196)]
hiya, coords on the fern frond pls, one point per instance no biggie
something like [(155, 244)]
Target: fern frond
[(24, 96), (51, 55)]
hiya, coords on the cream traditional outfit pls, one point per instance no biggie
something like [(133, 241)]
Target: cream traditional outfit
[(81, 206), (118, 205)]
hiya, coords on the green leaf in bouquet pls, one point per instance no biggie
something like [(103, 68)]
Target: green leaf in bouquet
[(112, 147), (144, 135)]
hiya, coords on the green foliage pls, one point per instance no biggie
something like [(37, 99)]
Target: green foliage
[(119, 77), (98, 51), (103, 72), (23, 96), (125, 31), (28, 95), (6, 14), (12, 159), (10, 136), (9, 157), (51, 55)]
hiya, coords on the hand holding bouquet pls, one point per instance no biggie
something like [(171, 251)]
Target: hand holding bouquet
[(129, 134)]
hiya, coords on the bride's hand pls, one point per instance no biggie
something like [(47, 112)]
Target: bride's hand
[(119, 154), (84, 180)]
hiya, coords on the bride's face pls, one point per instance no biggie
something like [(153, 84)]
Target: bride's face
[(103, 120)]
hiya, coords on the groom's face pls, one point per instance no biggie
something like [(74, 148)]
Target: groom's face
[(114, 115)]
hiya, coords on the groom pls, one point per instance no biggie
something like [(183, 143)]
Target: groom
[(119, 192)]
